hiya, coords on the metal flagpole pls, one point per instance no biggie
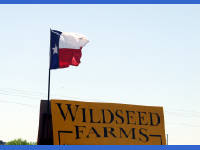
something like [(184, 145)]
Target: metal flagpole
[(49, 80), (48, 91)]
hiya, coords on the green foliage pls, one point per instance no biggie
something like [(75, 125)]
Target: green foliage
[(20, 142)]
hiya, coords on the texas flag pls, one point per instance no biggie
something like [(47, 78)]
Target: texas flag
[(65, 49)]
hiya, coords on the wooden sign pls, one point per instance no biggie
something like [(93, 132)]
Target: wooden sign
[(88, 123)]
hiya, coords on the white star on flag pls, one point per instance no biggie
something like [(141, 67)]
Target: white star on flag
[(55, 50)]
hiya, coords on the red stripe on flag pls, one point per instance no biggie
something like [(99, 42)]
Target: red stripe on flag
[(69, 57)]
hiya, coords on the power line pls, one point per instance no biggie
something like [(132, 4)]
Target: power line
[(36, 94), (13, 102)]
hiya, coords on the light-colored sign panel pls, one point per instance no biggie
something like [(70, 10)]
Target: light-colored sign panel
[(88, 123)]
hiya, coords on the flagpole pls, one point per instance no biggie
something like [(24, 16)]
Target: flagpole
[(49, 80), (48, 91)]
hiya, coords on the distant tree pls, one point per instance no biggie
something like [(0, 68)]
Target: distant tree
[(20, 142), (2, 142)]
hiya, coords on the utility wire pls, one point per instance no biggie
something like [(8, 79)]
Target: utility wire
[(12, 102), (36, 94)]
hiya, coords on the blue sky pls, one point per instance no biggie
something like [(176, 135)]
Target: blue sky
[(138, 54)]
